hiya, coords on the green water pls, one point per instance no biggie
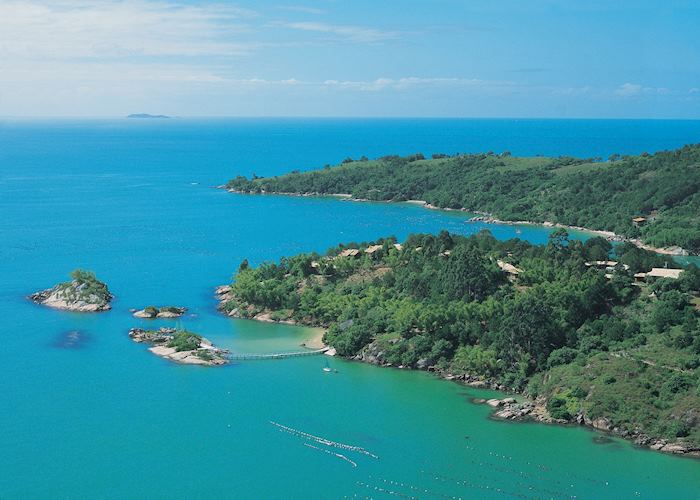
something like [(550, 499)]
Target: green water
[(94, 415)]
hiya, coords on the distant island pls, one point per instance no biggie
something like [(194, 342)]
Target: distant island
[(612, 344), (84, 293), (650, 200), (146, 115)]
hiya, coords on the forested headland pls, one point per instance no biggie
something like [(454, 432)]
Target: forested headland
[(547, 321), (661, 191)]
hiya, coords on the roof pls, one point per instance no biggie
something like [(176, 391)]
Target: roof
[(350, 252), (602, 263), (508, 268), (373, 248), (661, 272), (398, 246), (606, 263), (639, 219)]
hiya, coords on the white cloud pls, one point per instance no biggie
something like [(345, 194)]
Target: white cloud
[(303, 8), (68, 29), (357, 34), (629, 90), (412, 82)]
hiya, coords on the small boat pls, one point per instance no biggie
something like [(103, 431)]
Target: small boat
[(327, 368)]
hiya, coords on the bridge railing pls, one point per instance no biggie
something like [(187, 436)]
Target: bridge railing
[(276, 355)]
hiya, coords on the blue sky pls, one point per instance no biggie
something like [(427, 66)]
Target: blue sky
[(470, 58)]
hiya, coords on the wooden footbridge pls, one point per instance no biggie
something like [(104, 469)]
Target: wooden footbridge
[(277, 355)]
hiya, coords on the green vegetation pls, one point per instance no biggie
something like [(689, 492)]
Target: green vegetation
[(664, 188), (85, 287), (591, 344), (185, 341)]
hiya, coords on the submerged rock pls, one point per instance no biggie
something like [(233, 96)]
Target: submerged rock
[(73, 339)]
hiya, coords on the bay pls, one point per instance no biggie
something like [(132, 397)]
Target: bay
[(86, 413)]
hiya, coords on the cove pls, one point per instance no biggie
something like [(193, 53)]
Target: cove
[(95, 415)]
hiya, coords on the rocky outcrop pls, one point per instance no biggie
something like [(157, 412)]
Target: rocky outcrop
[(75, 295), (372, 353), (234, 309), (152, 312), (180, 346), (511, 409)]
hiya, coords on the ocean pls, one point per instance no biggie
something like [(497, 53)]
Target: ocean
[(87, 413)]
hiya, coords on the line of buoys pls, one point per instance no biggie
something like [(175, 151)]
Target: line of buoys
[(323, 441), (339, 455), (468, 484)]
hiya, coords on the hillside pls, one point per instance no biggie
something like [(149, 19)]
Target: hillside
[(663, 188), (592, 344)]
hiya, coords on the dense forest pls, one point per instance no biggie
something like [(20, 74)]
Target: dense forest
[(543, 320), (663, 188)]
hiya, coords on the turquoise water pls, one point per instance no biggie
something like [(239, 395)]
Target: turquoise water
[(97, 416)]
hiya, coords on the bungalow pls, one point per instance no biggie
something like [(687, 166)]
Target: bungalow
[(659, 272), (509, 268), (639, 221), (350, 252), (662, 272), (608, 265), (372, 249)]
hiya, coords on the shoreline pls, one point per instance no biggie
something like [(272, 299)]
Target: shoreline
[(526, 409), (314, 341), (674, 251)]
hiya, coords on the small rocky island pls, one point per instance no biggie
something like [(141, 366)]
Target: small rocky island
[(147, 116), (180, 346), (153, 312), (84, 293)]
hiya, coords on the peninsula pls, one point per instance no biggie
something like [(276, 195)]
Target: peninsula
[(588, 336), (84, 293), (649, 199), (180, 346)]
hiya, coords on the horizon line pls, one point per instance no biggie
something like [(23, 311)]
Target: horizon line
[(325, 117)]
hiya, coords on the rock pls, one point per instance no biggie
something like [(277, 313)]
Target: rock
[(84, 295), (601, 423), (658, 445), (167, 312), (143, 314), (373, 354), (477, 383), (508, 401), (495, 403), (205, 354), (677, 448), (422, 364)]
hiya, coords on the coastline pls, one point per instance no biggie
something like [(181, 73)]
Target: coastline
[(313, 342), (506, 408), (488, 218)]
